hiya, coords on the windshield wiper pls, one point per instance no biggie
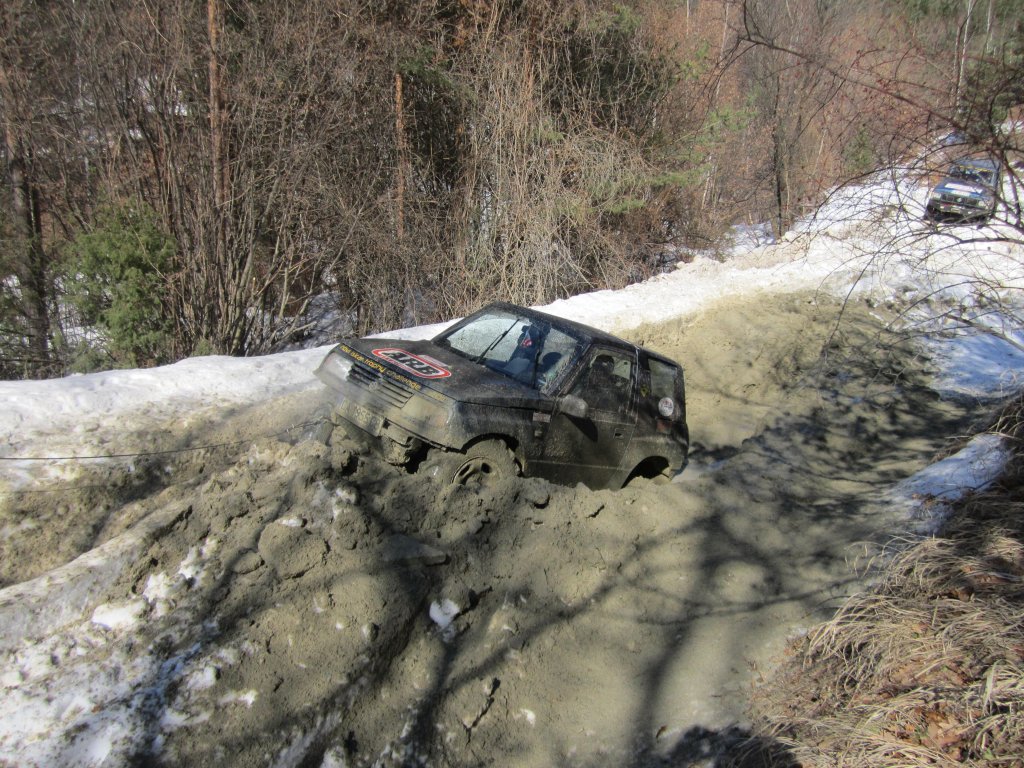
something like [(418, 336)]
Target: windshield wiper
[(495, 343)]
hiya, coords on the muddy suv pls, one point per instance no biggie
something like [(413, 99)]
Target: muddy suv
[(968, 192), (509, 390)]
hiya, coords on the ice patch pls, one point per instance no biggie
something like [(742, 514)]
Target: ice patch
[(239, 697), (172, 719), (159, 586), (190, 567), (119, 616), (971, 469), (202, 678), (977, 364), (346, 494)]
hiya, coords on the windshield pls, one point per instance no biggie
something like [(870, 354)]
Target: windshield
[(973, 173), (526, 349)]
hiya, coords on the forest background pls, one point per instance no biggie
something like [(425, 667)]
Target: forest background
[(205, 176)]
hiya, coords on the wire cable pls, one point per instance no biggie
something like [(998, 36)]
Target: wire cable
[(165, 452)]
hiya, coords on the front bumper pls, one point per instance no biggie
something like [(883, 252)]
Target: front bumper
[(384, 403), (964, 207)]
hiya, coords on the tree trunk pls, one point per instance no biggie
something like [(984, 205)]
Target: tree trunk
[(962, 42), (780, 161), (221, 180), (30, 268)]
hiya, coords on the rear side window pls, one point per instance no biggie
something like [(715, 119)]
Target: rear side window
[(663, 379)]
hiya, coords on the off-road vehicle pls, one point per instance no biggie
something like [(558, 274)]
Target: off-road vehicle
[(968, 192), (509, 390)]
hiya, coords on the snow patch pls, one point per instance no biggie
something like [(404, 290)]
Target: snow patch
[(248, 698), (443, 613), (119, 616)]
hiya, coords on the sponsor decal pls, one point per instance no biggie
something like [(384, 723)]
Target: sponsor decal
[(379, 367), (423, 367)]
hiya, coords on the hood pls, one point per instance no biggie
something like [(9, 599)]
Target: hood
[(443, 371), (963, 187)]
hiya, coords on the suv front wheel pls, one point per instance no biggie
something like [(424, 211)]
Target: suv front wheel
[(481, 465), (484, 463)]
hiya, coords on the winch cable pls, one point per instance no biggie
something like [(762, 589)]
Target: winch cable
[(167, 451)]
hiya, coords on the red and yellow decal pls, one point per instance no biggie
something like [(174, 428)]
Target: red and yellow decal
[(423, 367)]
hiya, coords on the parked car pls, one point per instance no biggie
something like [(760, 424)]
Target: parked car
[(509, 390), (968, 191)]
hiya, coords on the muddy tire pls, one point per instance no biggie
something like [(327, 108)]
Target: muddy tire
[(395, 454), (482, 464)]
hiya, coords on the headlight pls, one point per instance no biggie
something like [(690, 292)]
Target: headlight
[(334, 370), (666, 407)]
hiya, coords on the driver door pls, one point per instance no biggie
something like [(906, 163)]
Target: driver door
[(590, 448)]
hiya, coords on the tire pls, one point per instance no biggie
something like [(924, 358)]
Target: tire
[(395, 454), (483, 464)]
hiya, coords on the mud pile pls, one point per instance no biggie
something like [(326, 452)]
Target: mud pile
[(304, 603)]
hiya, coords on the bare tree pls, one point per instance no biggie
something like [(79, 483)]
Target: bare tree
[(411, 159), (794, 95), (31, 265), (33, 112), (245, 165)]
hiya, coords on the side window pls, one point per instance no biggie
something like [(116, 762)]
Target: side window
[(558, 352), (663, 380), (539, 356), (606, 382), (666, 396)]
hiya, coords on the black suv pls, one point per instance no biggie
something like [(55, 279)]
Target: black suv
[(510, 389)]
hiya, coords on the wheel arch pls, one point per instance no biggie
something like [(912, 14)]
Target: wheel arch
[(650, 468), (510, 442)]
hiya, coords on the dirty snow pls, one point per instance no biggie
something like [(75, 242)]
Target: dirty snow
[(85, 671)]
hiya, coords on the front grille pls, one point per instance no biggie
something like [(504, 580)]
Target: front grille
[(385, 389), (957, 200)]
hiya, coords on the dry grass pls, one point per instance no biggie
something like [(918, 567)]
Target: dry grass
[(927, 669)]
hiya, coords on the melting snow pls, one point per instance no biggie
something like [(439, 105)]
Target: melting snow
[(58, 702)]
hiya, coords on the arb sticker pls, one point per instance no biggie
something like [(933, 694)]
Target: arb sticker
[(417, 366)]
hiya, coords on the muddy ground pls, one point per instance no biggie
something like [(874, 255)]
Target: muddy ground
[(301, 603)]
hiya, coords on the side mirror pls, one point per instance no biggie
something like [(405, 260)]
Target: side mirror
[(573, 405)]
